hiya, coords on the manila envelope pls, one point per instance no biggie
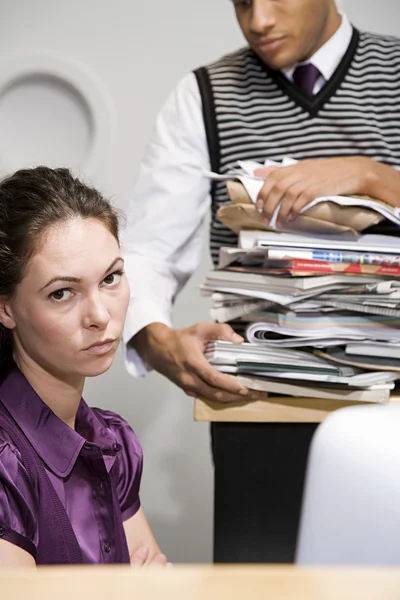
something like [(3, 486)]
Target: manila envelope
[(356, 218), (246, 216)]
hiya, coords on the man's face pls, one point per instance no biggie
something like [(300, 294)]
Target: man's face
[(284, 32)]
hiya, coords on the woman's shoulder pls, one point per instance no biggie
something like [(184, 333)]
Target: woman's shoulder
[(112, 419), (18, 497), (12, 469), (8, 448), (121, 429)]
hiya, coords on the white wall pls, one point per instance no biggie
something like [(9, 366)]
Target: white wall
[(125, 56)]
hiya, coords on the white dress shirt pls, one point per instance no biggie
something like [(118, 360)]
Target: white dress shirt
[(163, 240)]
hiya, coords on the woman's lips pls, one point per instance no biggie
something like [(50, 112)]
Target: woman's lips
[(100, 347)]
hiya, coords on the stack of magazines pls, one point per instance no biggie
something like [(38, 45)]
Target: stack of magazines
[(321, 316)]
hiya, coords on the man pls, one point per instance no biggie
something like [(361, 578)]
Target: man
[(309, 86)]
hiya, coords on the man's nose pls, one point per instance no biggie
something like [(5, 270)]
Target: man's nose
[(262, 16)]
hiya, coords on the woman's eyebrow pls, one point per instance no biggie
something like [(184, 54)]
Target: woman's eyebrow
[(114, 262), (69, 279)]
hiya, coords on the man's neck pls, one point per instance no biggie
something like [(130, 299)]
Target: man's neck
[(328, 56), (334, 22)]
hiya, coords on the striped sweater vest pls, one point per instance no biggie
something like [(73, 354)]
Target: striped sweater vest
[(253, 112)]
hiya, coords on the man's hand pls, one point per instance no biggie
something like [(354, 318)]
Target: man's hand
[(297, 185), (179, 355), (141, 559)]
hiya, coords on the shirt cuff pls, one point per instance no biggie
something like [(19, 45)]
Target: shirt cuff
[(18, 540), (140, 314), (132, 510)]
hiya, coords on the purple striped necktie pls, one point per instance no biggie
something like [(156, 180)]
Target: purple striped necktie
[(306, 76)]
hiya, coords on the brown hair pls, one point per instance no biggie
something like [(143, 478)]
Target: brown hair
[(31, 201)]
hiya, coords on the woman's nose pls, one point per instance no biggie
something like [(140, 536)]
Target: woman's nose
[(96, 314)]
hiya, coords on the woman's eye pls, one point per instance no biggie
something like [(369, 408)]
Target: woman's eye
[(61, 295), (113, 278)]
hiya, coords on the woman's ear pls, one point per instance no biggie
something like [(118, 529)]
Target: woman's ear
[(6, 315)]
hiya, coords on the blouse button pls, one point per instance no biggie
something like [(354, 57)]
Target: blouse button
[(107, 548)]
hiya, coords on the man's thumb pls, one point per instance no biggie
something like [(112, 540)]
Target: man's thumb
[(227, 334)]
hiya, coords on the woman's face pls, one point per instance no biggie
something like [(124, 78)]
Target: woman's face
[(68, 312)]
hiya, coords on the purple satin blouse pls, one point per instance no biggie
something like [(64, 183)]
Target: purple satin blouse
[(78, 464)]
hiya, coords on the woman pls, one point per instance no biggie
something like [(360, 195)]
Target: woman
[(69, 474)]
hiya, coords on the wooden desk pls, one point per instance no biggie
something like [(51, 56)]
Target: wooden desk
[(200, 583), (274, 409)]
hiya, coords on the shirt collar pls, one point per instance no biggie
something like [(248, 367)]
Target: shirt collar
[(57, 444), (328, 57)]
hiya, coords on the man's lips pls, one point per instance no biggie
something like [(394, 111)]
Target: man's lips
[(270, 44)]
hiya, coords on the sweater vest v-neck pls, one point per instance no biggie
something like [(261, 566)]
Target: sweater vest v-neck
[(253, 112)]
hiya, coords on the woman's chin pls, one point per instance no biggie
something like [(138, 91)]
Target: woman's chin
[(98, 366)]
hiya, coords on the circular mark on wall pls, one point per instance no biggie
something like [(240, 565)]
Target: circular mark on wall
[(43, 120)]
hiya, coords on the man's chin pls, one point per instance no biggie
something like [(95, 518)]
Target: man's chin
[(277, 62)]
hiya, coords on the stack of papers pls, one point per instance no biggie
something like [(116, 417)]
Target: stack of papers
[(292, 372), (321, 316)]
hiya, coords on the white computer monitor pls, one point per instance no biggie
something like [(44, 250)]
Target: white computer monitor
[(351, 504)]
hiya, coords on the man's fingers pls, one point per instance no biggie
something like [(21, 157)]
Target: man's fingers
[(303, 199), (206, 381), (213, 378), (220, 331), (197, 387), (264, 194), (196, 376), (139, 558), (227, 398), (276, 189), (288, 202), (265, 171), (271, 194), (271, 203)]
